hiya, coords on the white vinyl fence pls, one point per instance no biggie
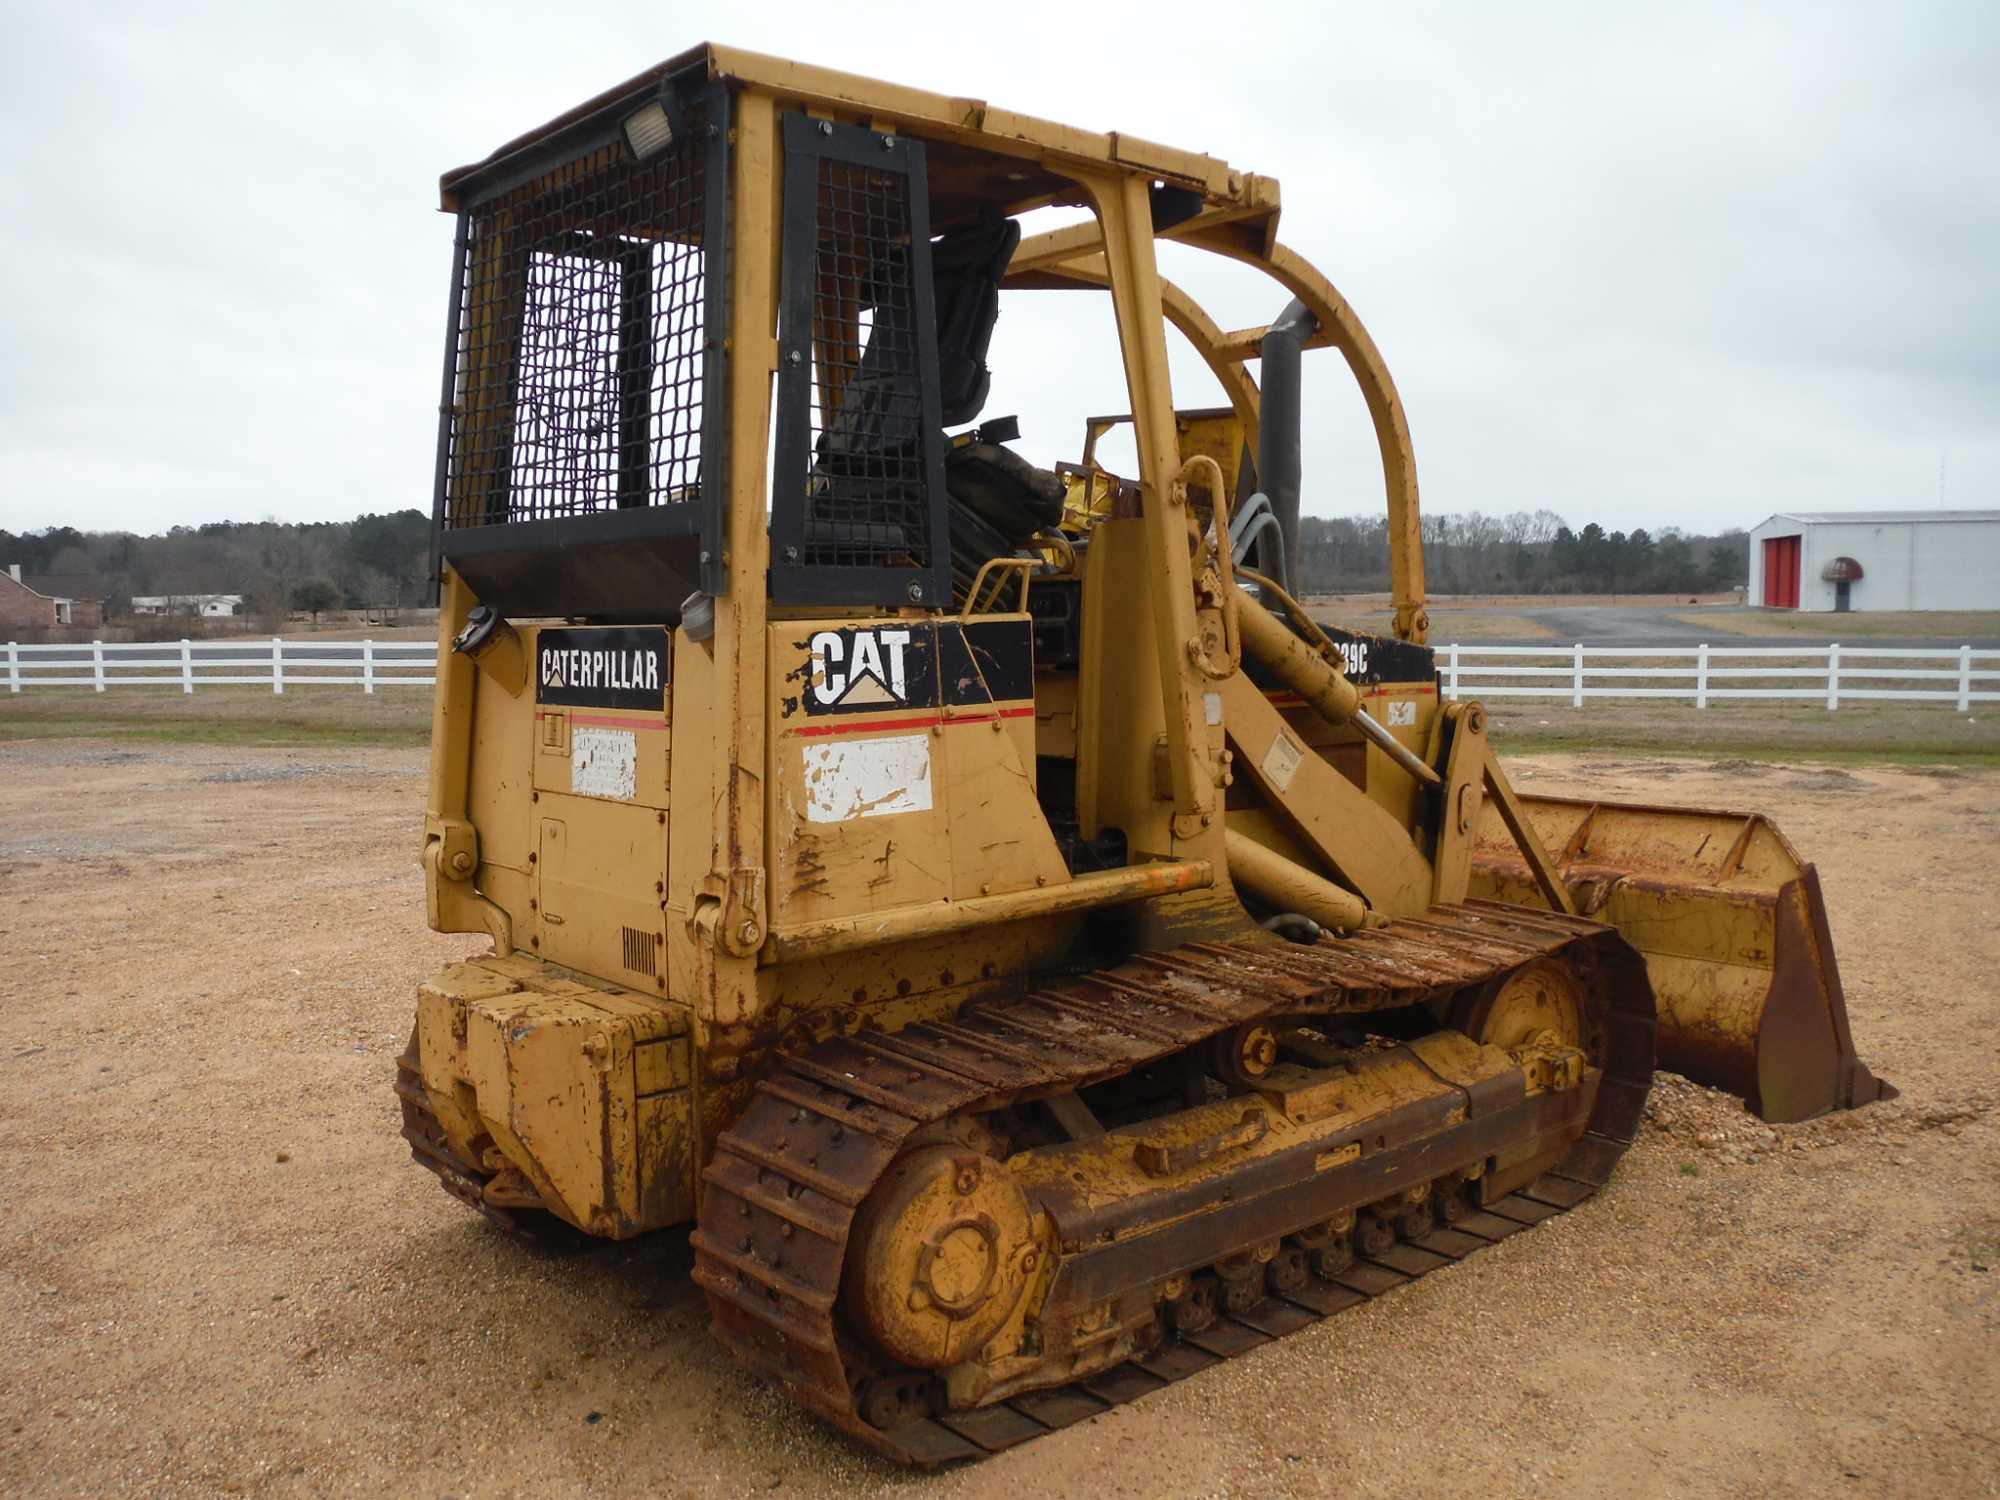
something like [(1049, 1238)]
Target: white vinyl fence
[(1958, 675), (1698, 674), (274, 663)]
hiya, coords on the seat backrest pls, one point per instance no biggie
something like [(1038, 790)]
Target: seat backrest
[(966, 267)]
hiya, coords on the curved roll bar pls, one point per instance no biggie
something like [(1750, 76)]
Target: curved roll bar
[(1225, 353)]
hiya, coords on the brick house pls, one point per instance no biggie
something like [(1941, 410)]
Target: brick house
[(50, 600)]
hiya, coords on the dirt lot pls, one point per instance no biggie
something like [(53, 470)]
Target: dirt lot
[(219, 1272)]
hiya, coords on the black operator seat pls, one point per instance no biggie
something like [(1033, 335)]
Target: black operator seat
[(881, 398), (966, 267), (998, 500), (1012, 497)]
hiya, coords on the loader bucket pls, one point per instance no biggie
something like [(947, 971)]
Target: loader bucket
[(1734, 933)]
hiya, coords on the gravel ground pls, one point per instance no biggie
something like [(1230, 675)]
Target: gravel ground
[(220, 1273)]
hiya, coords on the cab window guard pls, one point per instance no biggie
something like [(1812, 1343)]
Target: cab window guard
[(581, 466), (858, 499)]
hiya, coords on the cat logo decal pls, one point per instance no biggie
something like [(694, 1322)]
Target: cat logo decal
[(859, 668)]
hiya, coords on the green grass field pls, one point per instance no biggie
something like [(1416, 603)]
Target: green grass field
[(1858, 733), (222, 715), (1882, 733)]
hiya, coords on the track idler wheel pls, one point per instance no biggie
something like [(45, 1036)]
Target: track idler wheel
[(1417, 1223), (940, 1255), (1453, 1202), (1335, 1256), (1195, 1308), (1242, 1056), (1243, 1276), (1329, 1247), (1373, 1236), (1287, 1271), (1241, 1294)]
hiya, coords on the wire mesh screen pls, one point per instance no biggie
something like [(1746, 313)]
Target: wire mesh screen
[(867, 500), (580, 361)]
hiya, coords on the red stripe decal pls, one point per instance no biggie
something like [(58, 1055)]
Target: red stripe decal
[(604, 721), (924, 721)]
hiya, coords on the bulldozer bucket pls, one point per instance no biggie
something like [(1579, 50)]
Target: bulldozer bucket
[(1734, 932)]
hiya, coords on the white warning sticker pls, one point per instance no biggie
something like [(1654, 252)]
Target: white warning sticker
[(604, 763), (868, 778), (1281, 762), (1402, 713)]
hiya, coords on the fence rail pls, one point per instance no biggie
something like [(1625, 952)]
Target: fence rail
[(1699, 674), (1962, 675), (275, 663)]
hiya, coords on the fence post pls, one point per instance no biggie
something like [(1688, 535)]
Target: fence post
[(368, 666), (1451, 690), (1701, 676), (1833, 676), (13, 667), (1964, 679), (277, 664), (1576, 692), (187, 665), (97, 664)]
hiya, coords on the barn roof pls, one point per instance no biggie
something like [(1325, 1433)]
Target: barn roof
[(1877, 517), (67, 585)]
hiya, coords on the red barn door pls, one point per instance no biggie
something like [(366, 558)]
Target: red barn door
[(1781, 572)]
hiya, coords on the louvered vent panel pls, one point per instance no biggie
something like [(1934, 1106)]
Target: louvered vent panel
[(641, 952)]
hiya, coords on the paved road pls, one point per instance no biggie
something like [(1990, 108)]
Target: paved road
[(1602, 625)]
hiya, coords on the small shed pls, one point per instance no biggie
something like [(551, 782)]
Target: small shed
[(1877, 560)]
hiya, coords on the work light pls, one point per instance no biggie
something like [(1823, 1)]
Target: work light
[(649, 132)]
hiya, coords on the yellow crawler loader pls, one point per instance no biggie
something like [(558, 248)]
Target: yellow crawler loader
[(1035, 958)]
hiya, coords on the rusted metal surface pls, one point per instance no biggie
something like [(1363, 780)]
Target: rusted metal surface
[(787, 1183), (816, 939), (430, 1149), (1285, 885), (1733, 927), (882, 1213), (554, 1094)]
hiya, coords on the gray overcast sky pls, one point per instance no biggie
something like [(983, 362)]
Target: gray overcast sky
[(1668, 265)]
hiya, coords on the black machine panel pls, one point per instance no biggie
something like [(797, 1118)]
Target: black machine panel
[(916, 664), (1369, 660), (857, 505), (600, 668)]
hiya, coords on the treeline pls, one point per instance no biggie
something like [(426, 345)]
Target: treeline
[(377, 562), (372, 562), (1523, 553)]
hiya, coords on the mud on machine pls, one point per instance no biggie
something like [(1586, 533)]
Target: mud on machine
[(1037, 959)]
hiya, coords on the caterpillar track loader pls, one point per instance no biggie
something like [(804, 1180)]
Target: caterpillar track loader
[(1033, 956)]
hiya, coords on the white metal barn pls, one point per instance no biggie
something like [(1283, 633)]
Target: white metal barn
[(1877, 559)]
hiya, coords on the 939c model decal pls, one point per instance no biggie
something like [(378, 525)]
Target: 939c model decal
[(603, 668), (1369, 660)]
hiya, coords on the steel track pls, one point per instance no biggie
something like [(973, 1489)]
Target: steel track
[(786, 1180)]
